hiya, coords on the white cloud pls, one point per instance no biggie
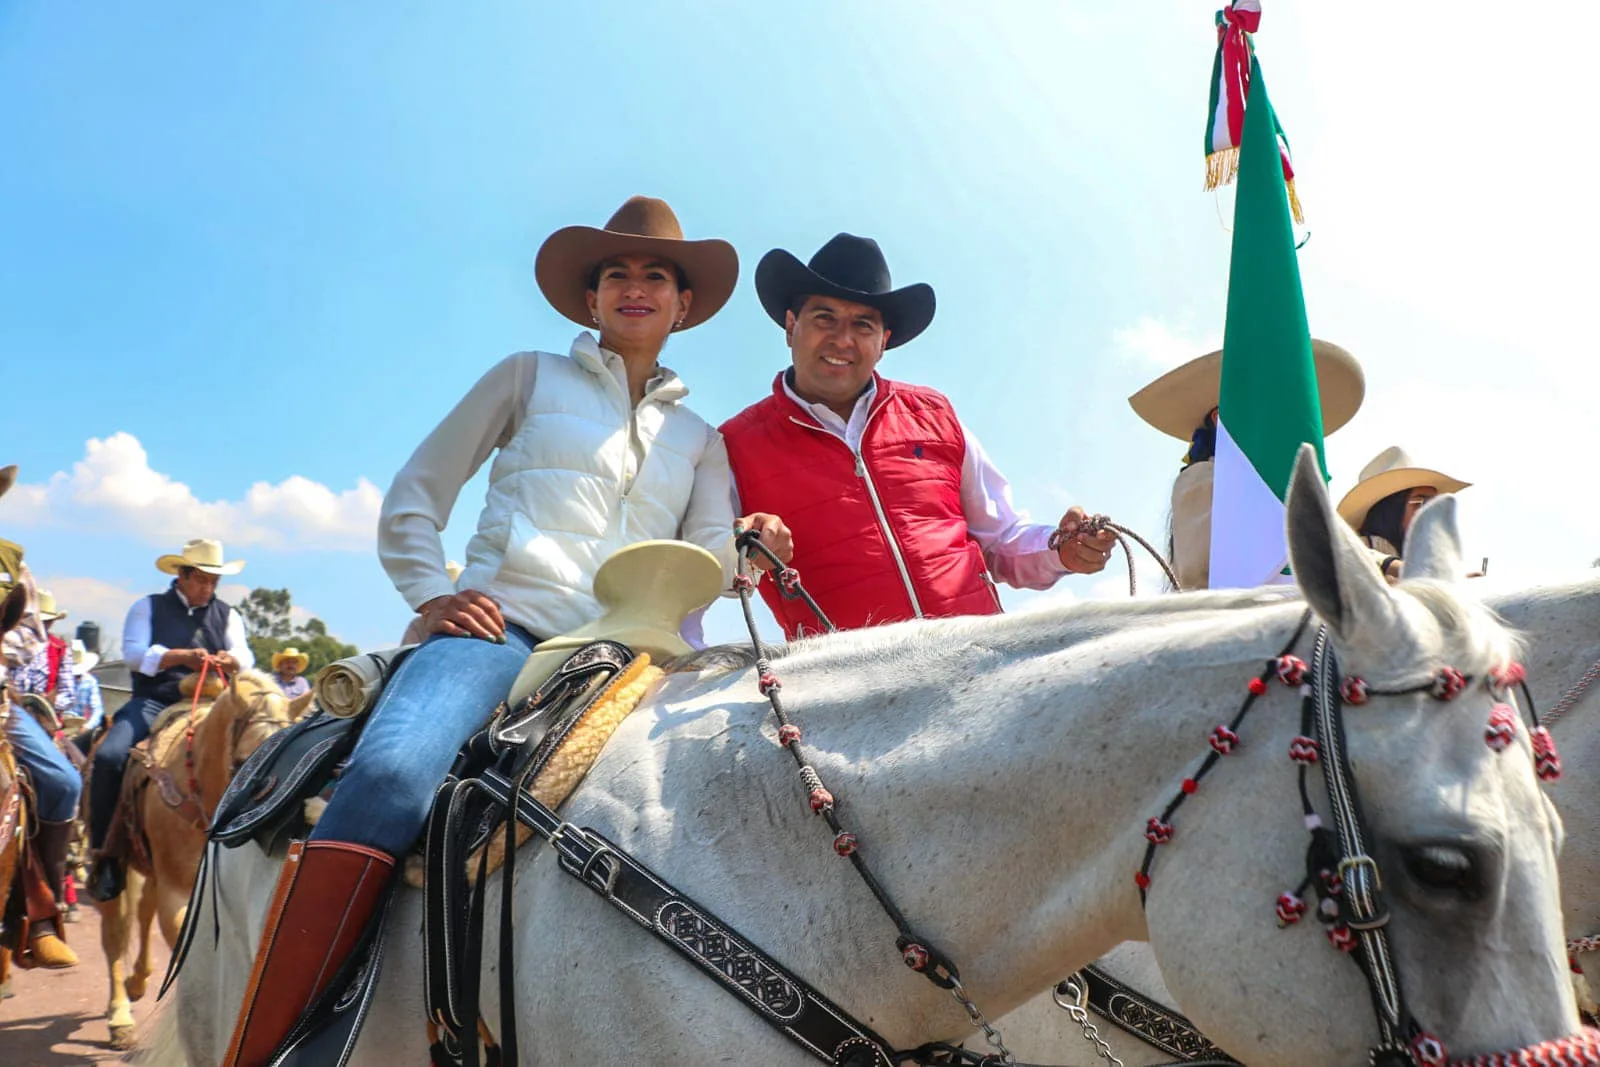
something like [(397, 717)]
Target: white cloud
[(114, 486), (92, 600), (1151, 344)]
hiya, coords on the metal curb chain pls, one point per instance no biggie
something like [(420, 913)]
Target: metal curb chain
[(1078, 992), (975, 1013)]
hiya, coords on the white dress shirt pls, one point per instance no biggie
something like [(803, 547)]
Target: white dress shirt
[(142, 656), (1016, 551)]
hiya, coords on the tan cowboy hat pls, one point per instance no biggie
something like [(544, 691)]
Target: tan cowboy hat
[(8, 478), (48, 612), (1389, 472), (642, 226), (203, 554), (289, 653), (83, 661), (1179, 401)]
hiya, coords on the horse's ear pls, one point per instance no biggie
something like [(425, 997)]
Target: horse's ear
[(1335, 572), (13, 607), (1433, 544)]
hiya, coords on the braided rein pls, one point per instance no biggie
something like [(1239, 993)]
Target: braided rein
[(1099, 524)]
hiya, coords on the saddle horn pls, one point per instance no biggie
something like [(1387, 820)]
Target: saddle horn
[(647, 590)]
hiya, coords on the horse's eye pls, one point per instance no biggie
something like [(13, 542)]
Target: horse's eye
[(1445, 867)]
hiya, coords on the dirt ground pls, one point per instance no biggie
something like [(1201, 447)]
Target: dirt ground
[(58, 1017)]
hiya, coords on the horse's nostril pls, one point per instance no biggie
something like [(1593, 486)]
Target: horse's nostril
[(1445, 867)]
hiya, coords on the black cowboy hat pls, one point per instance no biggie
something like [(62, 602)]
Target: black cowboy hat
[(850, 268)]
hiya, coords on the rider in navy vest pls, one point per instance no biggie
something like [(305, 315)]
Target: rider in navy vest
[(165, 637)]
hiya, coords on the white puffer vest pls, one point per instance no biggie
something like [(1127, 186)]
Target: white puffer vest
[(560, 497)]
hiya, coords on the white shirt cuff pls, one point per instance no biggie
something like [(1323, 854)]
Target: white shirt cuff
[(151, 664)]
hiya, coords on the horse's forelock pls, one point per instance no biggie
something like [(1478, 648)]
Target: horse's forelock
[(1475, 640)]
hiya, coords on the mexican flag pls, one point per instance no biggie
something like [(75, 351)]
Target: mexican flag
[(1269, 403)]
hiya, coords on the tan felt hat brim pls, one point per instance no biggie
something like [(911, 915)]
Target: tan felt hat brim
[(173, 564), (8, 478), (1359, 500), (568, 256), (1178, 402)]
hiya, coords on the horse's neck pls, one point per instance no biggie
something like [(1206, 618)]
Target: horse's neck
[(1561, 628), (1001, 793), (213, 747)]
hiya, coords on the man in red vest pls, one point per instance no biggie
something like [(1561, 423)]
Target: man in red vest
[(894, 509)]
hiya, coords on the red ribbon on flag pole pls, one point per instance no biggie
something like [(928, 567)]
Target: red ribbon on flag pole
[(1230, 90)]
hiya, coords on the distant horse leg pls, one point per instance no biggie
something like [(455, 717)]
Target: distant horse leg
[(116, 923), (149, 897)]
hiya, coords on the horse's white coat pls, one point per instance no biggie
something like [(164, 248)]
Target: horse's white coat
[(999, 773), (1560, 628)]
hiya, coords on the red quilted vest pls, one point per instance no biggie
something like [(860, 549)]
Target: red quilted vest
[(878, 538)]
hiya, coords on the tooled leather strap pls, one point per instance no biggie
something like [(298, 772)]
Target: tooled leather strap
[(1149, 1020), (763, 985)]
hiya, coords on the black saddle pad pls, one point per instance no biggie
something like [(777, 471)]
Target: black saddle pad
[(266, 799)]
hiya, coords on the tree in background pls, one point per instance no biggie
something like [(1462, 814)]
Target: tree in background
[(267, 616)]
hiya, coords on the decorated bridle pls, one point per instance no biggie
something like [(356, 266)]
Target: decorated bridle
[(1339, 866)]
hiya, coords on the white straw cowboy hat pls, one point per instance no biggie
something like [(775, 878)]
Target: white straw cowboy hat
[(643, 226), (83, 661), (203, 554), (279, 657), (48, 612), (1178, 402), (1391, 471)]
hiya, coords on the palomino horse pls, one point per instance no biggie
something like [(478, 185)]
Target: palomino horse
[(1560, 625), (1000, 773), (170, 790)]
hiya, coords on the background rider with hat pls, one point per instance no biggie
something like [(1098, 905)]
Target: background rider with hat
[(896, 511), (1182, 403), (288, 669), (24, 658), (166, 637)]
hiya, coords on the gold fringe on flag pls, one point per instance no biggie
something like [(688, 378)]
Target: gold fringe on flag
[(1223, 167), (1294, 203)]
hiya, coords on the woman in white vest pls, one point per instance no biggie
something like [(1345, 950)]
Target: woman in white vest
[(596, 450), (1382, 503), (1182, 403)]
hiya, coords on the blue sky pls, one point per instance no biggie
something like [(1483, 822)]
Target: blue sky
[(254, 251)]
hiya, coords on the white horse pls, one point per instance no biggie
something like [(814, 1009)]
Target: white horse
[(999, 773), (1560, 627)]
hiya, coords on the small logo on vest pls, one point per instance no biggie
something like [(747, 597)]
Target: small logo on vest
[(917, 451)]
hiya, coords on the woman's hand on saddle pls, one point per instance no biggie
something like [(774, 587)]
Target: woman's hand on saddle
[(774, 535), (1084, 550), (468, 613)]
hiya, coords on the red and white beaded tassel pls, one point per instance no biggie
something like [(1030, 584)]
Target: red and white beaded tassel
[(1353, 690), (1429, 1051), (1546, 761), (1290, 908), (1448, 684), (1502, 728)]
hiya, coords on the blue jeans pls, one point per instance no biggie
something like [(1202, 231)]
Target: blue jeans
[(129, 726), (441, 695), (56, 782)]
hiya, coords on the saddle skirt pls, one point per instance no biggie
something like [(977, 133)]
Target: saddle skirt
[(127, 838), (568, 749)]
